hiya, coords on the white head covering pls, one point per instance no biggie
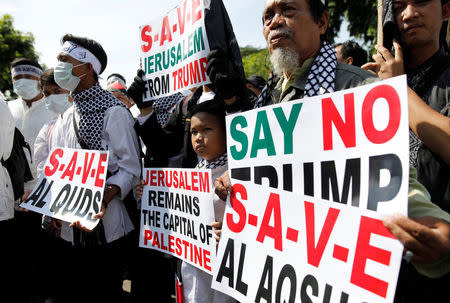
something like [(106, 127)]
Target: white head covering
[(81, 54)]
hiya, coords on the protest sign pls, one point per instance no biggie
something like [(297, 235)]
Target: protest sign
[(311, 181), (174, 48), (71, 186), (176, 212)]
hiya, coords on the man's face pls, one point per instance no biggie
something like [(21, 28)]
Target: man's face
[(79, 68), (289, 24), (419, 21)]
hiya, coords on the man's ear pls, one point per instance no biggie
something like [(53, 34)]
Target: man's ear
[(323, 22), (446, 11), (349, 60)]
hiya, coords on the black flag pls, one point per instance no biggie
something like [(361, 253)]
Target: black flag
[(220, 34)]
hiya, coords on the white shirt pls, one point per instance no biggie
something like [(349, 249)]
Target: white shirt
[(196, 282), (120, 139), (6, 144), (30, 120)]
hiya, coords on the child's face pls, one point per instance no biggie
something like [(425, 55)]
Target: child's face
[(207, 136)]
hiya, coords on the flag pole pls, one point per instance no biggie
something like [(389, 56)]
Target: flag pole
[(380, 23)]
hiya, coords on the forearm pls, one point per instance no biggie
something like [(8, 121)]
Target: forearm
[(432, 128)]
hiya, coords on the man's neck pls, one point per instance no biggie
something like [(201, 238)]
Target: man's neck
[(415, 56), (84, 85), (30, 102)]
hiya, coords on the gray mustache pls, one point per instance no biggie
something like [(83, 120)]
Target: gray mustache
[(284, 32)]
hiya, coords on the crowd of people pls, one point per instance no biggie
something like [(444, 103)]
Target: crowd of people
[(49, 260)]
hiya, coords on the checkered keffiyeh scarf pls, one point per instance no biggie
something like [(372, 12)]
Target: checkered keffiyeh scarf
[(221, 161), (321, 78), (91, 105), (163, 107)]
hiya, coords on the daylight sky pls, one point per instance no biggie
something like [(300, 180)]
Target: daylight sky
[(115, 25)]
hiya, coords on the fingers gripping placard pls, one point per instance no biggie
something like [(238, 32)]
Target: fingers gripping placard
[(71, 186), (311, 182)]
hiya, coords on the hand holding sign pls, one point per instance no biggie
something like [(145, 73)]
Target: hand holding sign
[(71, 186), (427, 238)]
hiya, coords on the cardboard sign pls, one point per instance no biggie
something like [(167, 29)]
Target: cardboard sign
[(174, 48), (311, 182), (71, 186), (176, 212)]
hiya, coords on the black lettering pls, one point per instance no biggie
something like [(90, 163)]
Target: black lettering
[(377, 193), (286, 272), (309, 281), (224, 270), (268, 172), (266, 293)]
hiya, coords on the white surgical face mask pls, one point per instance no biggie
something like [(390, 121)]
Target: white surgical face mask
[(58, 103), (64, 77), (26, 88)]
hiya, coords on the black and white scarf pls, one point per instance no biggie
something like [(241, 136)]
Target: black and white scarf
[(221, 161), (91, 105), (162, 107), (321, 78), (421, 81)]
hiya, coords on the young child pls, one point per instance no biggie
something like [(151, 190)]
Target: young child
[(208, 139)]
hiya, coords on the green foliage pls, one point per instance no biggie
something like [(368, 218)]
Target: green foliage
[(256, 61), (13, 44)]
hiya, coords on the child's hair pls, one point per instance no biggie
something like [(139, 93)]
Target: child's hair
[(212, 107)]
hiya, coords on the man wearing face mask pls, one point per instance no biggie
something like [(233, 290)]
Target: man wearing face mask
[(29, 110), (98, 121)]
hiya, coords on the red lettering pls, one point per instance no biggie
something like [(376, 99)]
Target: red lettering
[(207, 259), (315, 252), (100, 170), (163, 247), (166, 34), (179, 250), (275, 231), (54, 162), (194, 181), (188, 187), (146, 38), (147, 236), (238, 207), (182, 185), (153, 178), (204, 182), (181, 18), (171, 238), (161, 178), (390, 95), (345, 129), (203, 64), (70, 169), (174, 76), (194, 72), (87, 167), (186, 75), (156, 241), (196, 15), (198, 255), (186, 245), (175, 179), (365, 251)]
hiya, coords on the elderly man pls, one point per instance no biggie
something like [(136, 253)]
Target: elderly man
[(306, 65)]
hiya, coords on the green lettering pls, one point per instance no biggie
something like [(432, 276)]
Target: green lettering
[(287, 126), (179, 53), (199, 44), (150, 64), (158, 62), (166, 59), (240, 137), (190, 50), (262, 123), (173, 56)]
